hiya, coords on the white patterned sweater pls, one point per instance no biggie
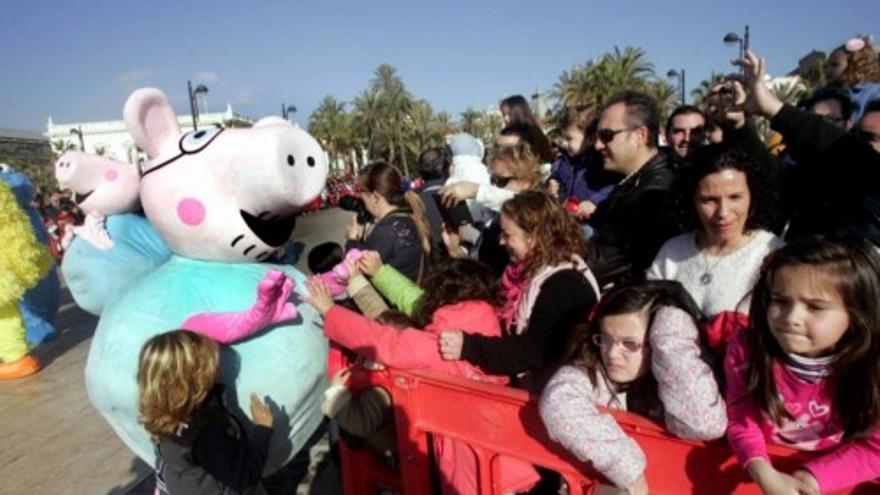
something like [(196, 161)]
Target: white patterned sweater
[(731, 276), (692, 404)]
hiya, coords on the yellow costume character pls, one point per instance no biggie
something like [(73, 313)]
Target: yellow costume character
[(23, 262)]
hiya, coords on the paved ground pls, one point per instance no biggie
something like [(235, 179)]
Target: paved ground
[(54, 442)]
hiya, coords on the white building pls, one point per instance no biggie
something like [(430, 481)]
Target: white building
[(111, 139)]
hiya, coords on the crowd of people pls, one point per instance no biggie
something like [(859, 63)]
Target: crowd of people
[(59, 213), (724, 284)]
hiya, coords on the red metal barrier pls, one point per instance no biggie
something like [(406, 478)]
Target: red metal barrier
[(500, 420)]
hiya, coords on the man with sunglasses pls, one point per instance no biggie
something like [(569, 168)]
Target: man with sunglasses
[(632, 223)]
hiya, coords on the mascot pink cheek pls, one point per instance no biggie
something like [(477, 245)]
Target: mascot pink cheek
[(191, 211), (111, 174)]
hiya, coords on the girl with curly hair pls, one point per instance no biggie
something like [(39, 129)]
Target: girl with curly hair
[(546, 289), (201, 448), (458, 293), (855, 66)]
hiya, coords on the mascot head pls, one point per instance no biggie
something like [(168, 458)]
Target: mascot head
[(223, 194), (100, 185)]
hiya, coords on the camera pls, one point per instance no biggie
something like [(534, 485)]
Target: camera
[(356, 205)]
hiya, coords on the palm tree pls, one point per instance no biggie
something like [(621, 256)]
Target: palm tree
[(576, 87), (395, 104), (628, 68), (470, 119), (701, 92), (329, 123), (665, 94), (367, 119)]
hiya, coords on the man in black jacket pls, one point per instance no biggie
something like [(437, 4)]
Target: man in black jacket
[(634, 221), (835, 186)]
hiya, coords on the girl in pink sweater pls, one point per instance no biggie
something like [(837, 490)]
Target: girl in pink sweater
[(805, 374), (459, 293), (641, 353)]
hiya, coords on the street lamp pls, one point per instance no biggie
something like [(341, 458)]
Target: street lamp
[(286, 110), (79, 133), (193, 105), (674, 74), (731, 38)]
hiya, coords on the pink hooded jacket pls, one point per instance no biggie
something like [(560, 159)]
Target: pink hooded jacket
[(412, 348)]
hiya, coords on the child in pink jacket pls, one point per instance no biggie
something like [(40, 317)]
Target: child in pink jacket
[(640, 353), (805, 374), (459, 294)]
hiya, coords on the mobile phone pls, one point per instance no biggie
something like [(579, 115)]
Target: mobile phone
[(456, 216)]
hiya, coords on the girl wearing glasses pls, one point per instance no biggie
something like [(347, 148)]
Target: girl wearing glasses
[(640, 352)]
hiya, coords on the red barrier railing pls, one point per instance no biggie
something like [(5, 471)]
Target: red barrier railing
[(496, 420)]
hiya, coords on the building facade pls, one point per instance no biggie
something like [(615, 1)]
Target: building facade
[(111, 139)]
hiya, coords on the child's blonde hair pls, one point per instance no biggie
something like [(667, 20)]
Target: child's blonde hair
[(176, 371)]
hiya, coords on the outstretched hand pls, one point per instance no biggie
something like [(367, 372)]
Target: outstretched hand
[(273, 295), (759, 99), (459, 191), (260, 412), (451, 344), (319, 295), (370, 263)]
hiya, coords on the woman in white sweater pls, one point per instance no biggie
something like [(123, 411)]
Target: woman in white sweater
[(733, 206)]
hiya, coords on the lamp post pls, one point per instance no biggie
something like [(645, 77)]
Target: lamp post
[(731, 38), (79, 133), (193, 105), (674, 74), (286, 110)]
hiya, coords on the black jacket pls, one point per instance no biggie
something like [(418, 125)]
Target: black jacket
[(565, 299), (835, 186), (396, 239), (213, 455), (633, 222)]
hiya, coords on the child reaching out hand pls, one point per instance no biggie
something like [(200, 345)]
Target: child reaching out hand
[(201, 448)]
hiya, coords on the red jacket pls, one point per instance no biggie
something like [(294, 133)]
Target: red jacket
[(412, 348)]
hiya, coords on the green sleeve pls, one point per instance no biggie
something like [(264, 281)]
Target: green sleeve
[(400, 291)]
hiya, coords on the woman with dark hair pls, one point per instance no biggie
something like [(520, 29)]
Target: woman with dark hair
[(401, 234), (515, 111), (546, 289), (640, 352), (728, 198)]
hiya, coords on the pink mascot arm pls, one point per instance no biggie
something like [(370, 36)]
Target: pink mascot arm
[(337, 278), (270, 307)]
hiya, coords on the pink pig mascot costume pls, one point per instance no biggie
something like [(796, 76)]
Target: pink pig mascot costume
[(223, 201)]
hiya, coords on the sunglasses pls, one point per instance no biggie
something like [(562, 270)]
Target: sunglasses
[(607, 135), (499, 181), (606, 342)]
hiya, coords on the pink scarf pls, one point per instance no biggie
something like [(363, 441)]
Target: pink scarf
[(513, 284)]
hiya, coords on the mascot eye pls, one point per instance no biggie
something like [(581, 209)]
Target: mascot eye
[(195, 141)]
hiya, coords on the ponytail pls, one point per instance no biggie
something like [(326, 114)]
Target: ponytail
[(418, 215)]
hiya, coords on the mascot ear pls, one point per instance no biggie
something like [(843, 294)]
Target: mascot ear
[(150, 120), (271, 121)]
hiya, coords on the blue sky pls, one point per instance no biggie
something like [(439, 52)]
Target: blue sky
[(78, 61)]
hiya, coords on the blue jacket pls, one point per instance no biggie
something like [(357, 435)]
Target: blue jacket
[(583, 178)]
